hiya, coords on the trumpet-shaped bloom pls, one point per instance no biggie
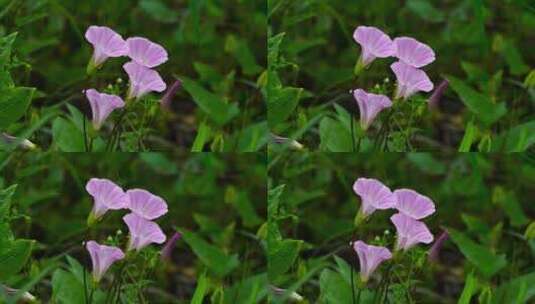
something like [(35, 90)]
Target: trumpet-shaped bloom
[(410, 231), (369, 106), (142, 232), (102, 257), (165, 102), (106, 43), (435, 98), (374, 43), (106, 195), (410, 80), (413, 52), (102, 105), (413, 204), (145, 52), (142, 80), (146, 204), (434, 251), (374, 195), (370, 257)]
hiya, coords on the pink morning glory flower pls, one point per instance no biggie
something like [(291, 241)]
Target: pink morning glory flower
[(369, 106), (410, 231), (374, 195), (146, 204), (374, 43), (142, 80), (434, 251), (102, 105), (370, 257), (106, 43), (410, 80), (142, 232), (102, 257), (106, 195), (413, 52), (145, 52), (413, 204)]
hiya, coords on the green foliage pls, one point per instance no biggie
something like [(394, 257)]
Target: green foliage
[(219, 255), (482, 201), (311, 48), (219, 47)]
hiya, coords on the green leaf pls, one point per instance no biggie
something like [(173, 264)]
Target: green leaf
[(514, 59), (274, 43), (281, 256), (66, 288), (159, 11), (469, 136), (516, 139), (334, 289), (427, 163), (66, 136), (243, 54), (282, 103), (211, 256), (203, 133), (13, 104), (241, 202), (470, 288), (488, 263), (219, 111), (5, 200), (334, 136), (14, 257), (509, 203), (510, 292), (478, 103), (6, 45), (425, 10), (200, 290)]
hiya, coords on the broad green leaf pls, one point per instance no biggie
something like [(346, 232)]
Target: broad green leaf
[(470, 288), (530, 231), (5, 200), (514, 59), (516, 139), (509, 203), (249, 290), (510, 292), (217, 109), (334, 136), (486, 261), (241, 202), (211, 256), (334, 289), (478, 103), (66, 288), (274, 43), (66, 136), (13, 104), (425, 10), (6, 45), (158, 11), (282, 255), (282, 103), (14, 257), (243, 54), (200, 290), (427, 163)]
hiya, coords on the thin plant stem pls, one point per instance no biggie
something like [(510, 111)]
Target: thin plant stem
[(352, 285), (85, 289), (358, 295), (353, 131), (85, 136)]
